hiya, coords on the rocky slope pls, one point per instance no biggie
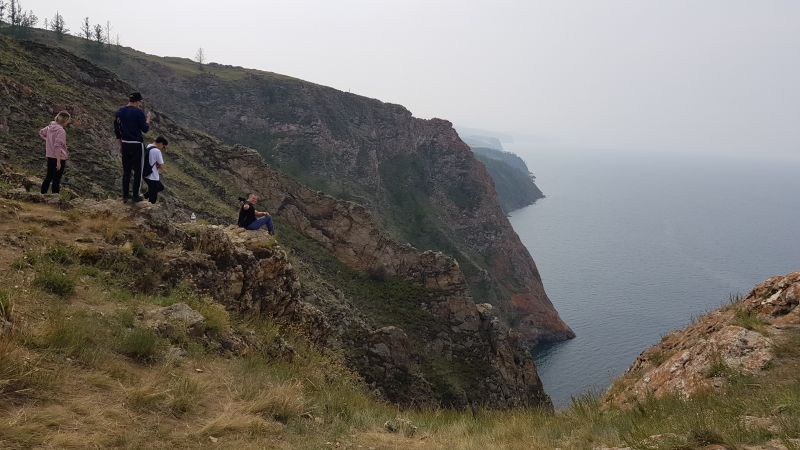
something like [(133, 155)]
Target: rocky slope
[(736, 340), (513, 181), (420, 179), (405, 319)]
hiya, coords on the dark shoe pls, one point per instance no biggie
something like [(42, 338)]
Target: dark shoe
[(125, 200), (137, 199)]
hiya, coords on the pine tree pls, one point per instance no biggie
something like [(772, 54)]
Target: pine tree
[(15, 13), (58, 26), (86, 29), (29, 19), (98, 33)]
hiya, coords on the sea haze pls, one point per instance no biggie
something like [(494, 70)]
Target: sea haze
[(631, 247)]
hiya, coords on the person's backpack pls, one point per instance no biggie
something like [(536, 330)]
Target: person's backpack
[(147, 170)]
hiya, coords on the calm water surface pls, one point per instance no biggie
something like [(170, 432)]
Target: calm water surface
[(630, 248)]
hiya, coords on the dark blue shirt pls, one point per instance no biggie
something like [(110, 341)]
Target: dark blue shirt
[(129, 124)]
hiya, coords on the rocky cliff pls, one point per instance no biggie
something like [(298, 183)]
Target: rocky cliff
[(404, 319), (417, 176), (513, 181)]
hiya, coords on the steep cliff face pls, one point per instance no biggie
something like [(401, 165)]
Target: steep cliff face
[(513, 181), (410, 326), (420, 179)]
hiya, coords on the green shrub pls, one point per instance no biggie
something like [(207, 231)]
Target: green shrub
[(142, 345), (217, 319), (55, 282), (718, 368)]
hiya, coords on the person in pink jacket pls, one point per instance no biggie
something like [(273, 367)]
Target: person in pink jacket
[(55, 138)]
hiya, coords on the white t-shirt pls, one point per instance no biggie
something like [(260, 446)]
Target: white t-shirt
[(155, 159)]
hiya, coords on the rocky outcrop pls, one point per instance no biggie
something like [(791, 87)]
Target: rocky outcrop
[(738, 339)]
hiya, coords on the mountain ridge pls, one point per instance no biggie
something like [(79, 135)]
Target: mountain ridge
[(417, 176)]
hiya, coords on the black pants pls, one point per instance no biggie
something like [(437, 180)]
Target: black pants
[(153, 188), (132, 161), (53, 176)]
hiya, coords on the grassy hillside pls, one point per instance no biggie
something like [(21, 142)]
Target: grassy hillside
[(80, 369)]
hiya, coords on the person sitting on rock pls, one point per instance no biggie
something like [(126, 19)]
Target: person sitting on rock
[(55, 138), (251, 219)]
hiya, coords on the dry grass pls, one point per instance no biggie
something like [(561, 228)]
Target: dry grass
[(280, 401), (6, 307), (236, 420), (166, 394), (22, 375)]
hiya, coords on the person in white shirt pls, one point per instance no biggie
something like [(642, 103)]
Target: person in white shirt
[(154, 166)]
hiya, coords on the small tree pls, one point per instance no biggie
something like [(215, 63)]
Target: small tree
[(200, 56), (86, 29), (15, 13), (58, 26), (98, 33), (28, 20)]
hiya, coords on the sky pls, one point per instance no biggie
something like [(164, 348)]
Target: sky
[(682, 76)]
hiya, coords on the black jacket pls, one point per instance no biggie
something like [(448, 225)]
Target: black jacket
[(247, 216)]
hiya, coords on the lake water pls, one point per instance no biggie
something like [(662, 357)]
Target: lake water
[(631, 247)]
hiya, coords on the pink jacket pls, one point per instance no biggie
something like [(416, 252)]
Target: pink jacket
[(55, 138)]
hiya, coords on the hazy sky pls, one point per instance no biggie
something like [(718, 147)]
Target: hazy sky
[(670, 75)]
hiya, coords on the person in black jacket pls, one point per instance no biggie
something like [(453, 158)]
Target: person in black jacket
[(251, 219), (130, 123)]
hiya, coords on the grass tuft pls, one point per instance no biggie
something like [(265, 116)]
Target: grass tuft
[(718, 368), (55, 282), (176, 396), (60, 254), (20, 375), (748, 319), (6, 307), (281, 401), (142, 345)]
